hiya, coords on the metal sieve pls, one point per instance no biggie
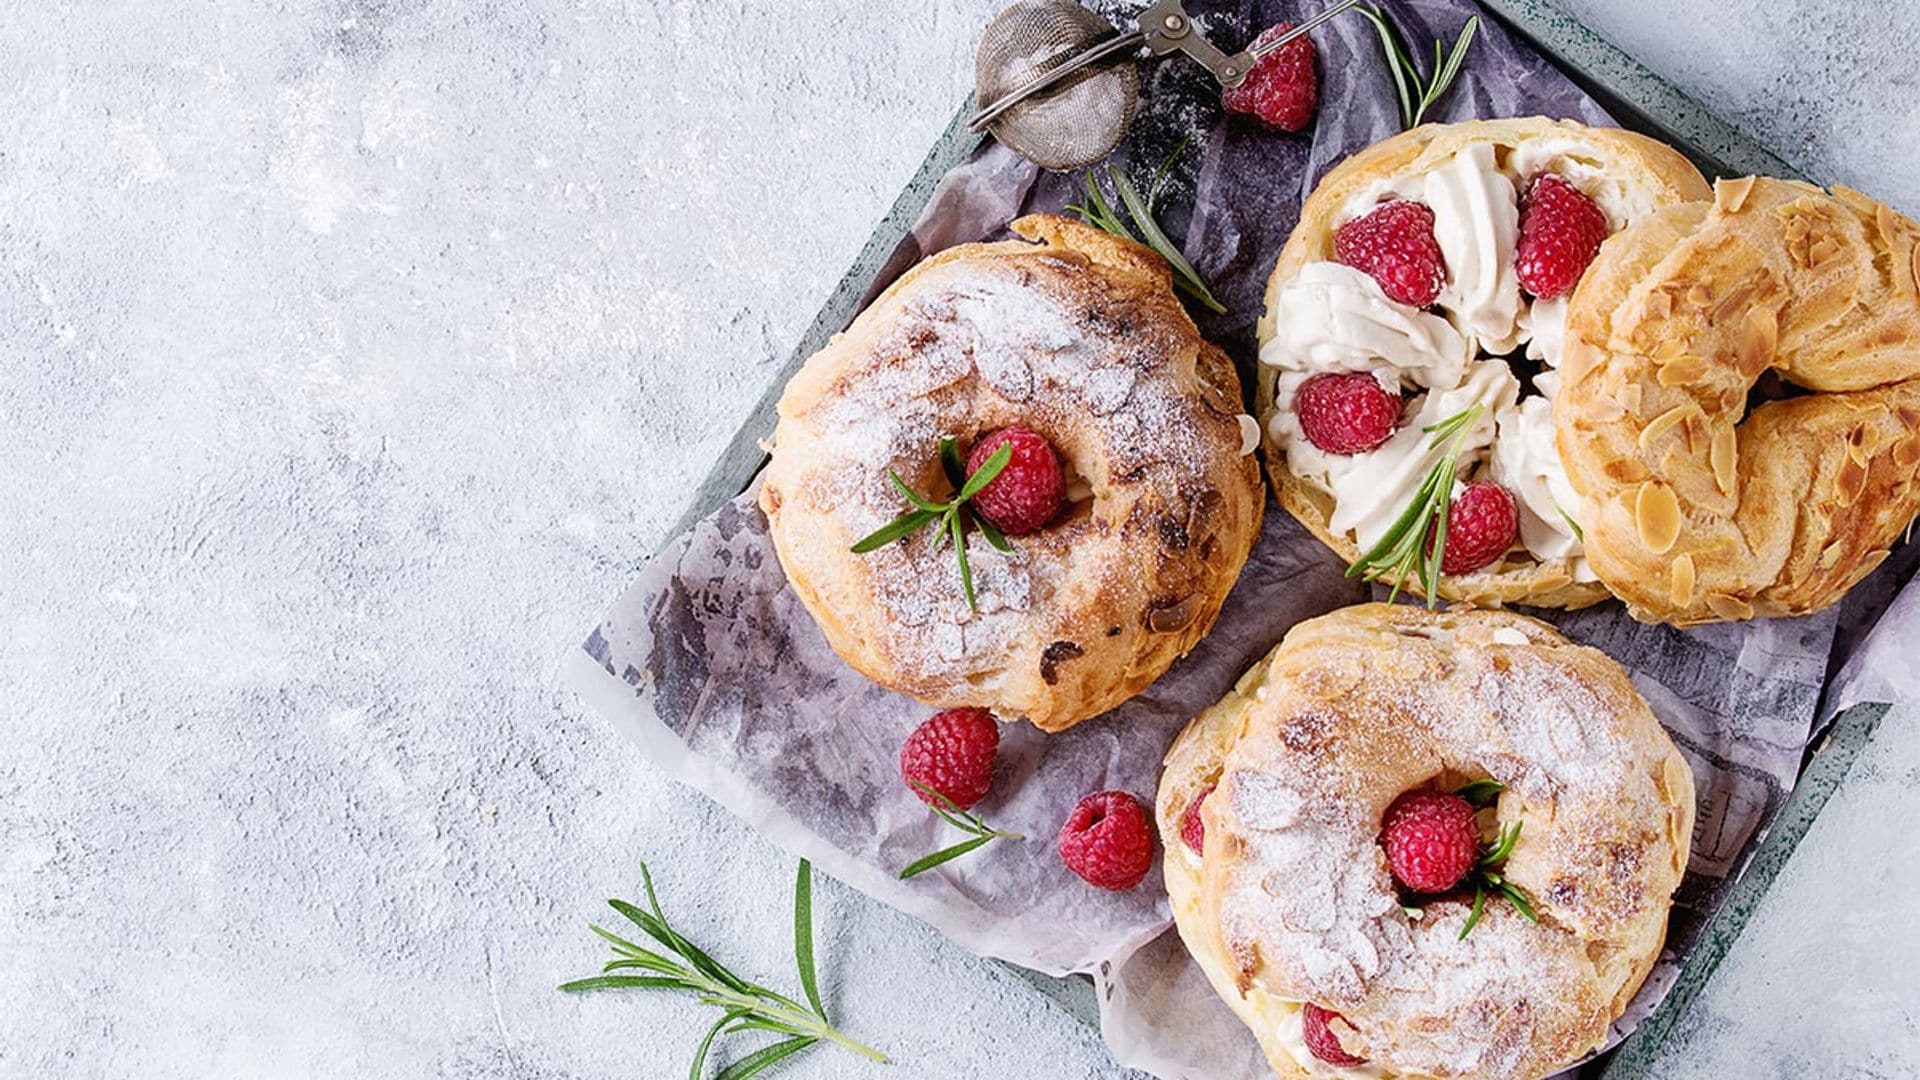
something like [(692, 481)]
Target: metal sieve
[(1059, 84)]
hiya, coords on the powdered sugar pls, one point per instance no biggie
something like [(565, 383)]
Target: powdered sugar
[(1309, 906)]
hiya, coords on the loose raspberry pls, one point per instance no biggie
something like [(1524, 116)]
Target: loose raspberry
[(1192, 829), (1282, 89), (1325, 1045), (1346, 413), (1393, 243), (1028, 492), (952, 753), (1108, 841), (1561, 230), (1481, 525), (1431, 840)]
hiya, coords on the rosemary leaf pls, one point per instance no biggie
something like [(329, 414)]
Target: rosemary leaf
[(1156, 239), (990, 468), (1482, 792), (918, 500), (928, 862), (765, 1058), (911, 522), (991, 532), (1473, 917), (960, 553), (803, 937), (1417, 94)]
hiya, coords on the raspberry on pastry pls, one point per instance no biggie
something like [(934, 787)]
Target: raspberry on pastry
[(1561, 230), (1193, 829), (1443, 261), (1481, 526), (1026, 494), (1282, 89), (952, 753), (1394, 244), (1346, 413), (1108, 841), (1326, 816), (1431, 840), (1316, 1026), (1058, 624)]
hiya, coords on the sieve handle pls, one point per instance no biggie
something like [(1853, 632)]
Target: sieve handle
[(1255, 54), (1130, 40)]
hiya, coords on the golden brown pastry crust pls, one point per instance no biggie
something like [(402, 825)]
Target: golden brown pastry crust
[(1074, 334), (1291, 900), (1652, 168), (1701, 511)]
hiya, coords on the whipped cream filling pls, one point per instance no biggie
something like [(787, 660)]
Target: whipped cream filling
[(1292, 1033), (1577, 162), (1371, 490), (1476, 221), (1333, 318)]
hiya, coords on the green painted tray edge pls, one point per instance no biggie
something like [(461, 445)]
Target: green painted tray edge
[(1640, 99)]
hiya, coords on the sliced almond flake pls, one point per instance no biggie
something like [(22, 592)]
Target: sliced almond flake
[(1681, 592), (1906, 452), (1684, 371), (1656, 514), (1729, 607), (1729, 196), (1724, 454), (1851, 481), (1659, 425)]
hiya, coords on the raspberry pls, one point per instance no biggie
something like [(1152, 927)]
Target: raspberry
[(1431, 840), (1108, 841), (1192, 829), (1393, 243), (1321, 1039), (1282, 89), (1346, 413), (1481, 525), (952, 753), (1561, 230), (1028, 492)]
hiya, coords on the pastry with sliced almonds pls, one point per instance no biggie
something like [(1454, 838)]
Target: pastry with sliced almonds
[(1740, 401)]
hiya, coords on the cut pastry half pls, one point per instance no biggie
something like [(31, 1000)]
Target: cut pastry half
[(1411, 341)]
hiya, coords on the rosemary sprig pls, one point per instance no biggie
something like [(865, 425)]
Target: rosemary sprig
[(1487, 879), (981, 833), (1404, 550), (1097, 211), (747, 1006), (953, 515), (1417, 94), (744, 1005)]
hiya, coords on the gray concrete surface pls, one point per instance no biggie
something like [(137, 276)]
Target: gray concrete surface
[(353, 355)]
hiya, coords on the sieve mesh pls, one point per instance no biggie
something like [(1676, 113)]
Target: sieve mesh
[(1070, 125)]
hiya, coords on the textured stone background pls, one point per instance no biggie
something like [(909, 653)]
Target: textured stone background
[(353, 355)]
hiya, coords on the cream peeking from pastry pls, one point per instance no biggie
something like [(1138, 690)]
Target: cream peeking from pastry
[(1410, 347), (1702, 505), (1418, 844), (1066, 346)]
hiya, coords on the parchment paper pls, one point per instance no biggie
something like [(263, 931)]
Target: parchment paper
[(712, 664)]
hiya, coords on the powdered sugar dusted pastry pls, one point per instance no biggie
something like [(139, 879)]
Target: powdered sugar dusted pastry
[(1425, 262), (1075, 336), (1308, 809), (1700, 509)]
